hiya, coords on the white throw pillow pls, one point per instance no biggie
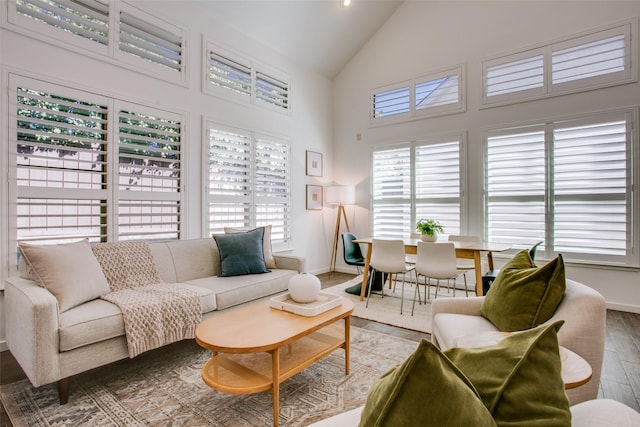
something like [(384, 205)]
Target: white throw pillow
[(267, 252), (69, 271)]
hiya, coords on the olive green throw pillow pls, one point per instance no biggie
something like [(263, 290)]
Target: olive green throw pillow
[(523, 295), (426, 390), (519, 379)]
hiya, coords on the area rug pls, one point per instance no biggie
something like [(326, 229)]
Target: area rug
[(164, 388), (387, 310)]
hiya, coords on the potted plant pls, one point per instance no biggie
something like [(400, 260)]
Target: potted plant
[(429, 229)]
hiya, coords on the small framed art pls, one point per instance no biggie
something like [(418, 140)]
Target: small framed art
[(314, 197), (314, 163)]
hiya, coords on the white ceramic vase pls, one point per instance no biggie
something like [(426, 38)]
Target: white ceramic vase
[(304, 288), (427, 238)]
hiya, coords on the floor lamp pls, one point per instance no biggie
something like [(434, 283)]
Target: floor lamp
[(339, 195)]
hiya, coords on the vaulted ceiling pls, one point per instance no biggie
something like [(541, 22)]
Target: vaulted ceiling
[(320, 34)]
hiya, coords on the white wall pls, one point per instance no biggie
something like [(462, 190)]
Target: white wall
[(425, 36), (308, 128)]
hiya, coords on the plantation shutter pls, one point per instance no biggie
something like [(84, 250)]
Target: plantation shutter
[(591, 183), (515, 187), (437, 184), (522, 74), (272, 91), (391, 102), (61, 169), (88, 19), (230, 180), (149, 176), (229, 74), (391, 191), (272, 193), (438, 92), (150, 42)]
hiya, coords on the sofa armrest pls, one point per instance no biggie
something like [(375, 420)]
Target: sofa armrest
[(290, 262), (470, 306), (32, 329)]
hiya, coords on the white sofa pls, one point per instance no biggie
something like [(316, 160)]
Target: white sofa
[(582, 308), (593, 413), (51, 346)]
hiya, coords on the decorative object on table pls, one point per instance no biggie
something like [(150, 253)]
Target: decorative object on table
[(324, 302), (314, 197), (314, 163), (304, 287), (429, 228), (339, 195)]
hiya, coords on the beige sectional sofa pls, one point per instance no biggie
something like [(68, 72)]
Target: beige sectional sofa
[(52, 346)]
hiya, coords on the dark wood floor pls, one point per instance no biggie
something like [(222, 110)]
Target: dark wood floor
[(620, 374)]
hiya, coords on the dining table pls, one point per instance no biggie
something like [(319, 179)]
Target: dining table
[(468, 250)]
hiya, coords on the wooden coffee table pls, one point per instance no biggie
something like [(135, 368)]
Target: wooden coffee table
[(257, 347)]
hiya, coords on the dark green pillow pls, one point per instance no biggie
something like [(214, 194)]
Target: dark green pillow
[(519, 379), (427, 389), (241, 253), (524, 296)]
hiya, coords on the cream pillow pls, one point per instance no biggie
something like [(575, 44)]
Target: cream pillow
[(267, 251), (69, 271)]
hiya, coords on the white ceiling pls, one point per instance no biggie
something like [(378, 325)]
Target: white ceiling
[(319, 34)]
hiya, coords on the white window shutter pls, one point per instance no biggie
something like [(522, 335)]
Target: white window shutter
[(391, 191)]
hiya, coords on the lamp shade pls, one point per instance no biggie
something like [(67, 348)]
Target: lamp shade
[(341, 195)]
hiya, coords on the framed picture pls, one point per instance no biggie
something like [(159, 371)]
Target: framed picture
[(314, 163), (314, 197)]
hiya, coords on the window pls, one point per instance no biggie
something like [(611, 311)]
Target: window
[(415, 181), (63, 156), (248, 181), (567, 183), (134, 39), (230, 75), (601, 58)]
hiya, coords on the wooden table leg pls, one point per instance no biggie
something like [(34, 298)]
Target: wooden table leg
[(347, 341), (477, 262), (365, 275), (275, 369)]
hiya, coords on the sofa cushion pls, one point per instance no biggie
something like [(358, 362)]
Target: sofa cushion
[(524, 296), (69, 271), (100, 320), (231, 291), (427, 389), (241, 253), (194, 258), (267, 250), (519, 379)]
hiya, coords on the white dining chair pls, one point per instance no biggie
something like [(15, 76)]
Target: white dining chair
[(435, 261), (387, 256), (465, 264)]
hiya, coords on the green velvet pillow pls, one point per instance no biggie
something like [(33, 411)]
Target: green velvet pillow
[(427, 389), (519, 379), (524, 296)]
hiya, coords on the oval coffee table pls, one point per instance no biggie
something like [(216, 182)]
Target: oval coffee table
[(256, 347)]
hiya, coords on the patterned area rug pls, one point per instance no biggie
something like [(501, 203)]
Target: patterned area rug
[(387, 310), (164, 388)]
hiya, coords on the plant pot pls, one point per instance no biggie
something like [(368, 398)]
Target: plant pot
[(427, 238)]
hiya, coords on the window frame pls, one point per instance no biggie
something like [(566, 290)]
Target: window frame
[(253, 200), (411, 199), (111, 52), (414, 113), (627, 28), (632, 205)]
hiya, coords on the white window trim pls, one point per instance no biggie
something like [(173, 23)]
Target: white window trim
[(13, 21), (548, 125), (630, 75), (413, 114), (210, 123), (209, 45)]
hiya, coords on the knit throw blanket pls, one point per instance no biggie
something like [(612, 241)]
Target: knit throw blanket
[(154, 313)]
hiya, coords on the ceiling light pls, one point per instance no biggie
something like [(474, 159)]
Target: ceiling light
[(345, 3)]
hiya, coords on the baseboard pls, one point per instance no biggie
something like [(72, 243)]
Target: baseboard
[(623, 307), (3, 346)]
